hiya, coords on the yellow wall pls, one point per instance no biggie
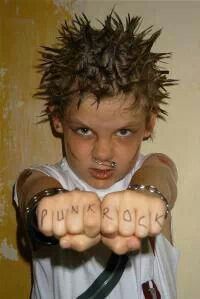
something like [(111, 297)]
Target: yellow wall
[(24, 25)]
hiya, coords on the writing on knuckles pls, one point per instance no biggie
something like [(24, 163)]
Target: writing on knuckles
[(74, 213), (132, 213), (123, 214)]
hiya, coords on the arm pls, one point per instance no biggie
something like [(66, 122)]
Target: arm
[(159, 170), (31, 182), (72, 217)]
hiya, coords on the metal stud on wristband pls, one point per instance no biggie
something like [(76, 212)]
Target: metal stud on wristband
[(152, 189)]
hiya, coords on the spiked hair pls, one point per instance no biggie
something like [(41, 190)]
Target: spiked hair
[(105, 62)]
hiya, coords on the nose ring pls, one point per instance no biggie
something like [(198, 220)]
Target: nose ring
[(108, 163)]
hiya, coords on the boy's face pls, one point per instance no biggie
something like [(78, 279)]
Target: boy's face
[(112, 131)]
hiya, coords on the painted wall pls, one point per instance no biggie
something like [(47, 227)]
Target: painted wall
[(26, 24)]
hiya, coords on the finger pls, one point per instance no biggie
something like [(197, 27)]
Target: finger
[(79, 242), (157, 222), (92, 219), (158, 212), (59, 222), (117, 244), (133, 243), (121, 245), (109, 220), (44, 219), (127, 220), (142, 224), (74, 218)]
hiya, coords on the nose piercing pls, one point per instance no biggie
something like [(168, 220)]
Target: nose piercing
[(108, 163)]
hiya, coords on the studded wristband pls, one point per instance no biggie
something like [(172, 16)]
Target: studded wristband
[(151, 189)]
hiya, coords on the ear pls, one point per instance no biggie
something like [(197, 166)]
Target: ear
[(150, 124), (57, 124)]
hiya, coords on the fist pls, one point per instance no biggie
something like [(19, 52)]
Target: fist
[(128, 216), (72, 217)]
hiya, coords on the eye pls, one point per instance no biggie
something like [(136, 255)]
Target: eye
[(124, 132), (84, 131)]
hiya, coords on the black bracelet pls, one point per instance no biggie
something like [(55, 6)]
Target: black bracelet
[(31, 219), (152, 189)]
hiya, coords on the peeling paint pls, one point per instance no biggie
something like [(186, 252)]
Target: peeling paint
[(62, 4), (20, 103), (17, 11), (67, 5), (2, 210), (6, 112), (8, 251), (13, 103), (3, 71), (2, 86)]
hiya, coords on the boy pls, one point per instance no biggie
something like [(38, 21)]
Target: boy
[(103, 91)]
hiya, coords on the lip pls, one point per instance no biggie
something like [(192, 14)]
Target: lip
[(102, 174)]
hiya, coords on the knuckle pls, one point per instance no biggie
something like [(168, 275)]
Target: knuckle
[(91, 233), (141, 233), (92, 230), (59, 232), (74, 229), (125, 231), (92, 224), (109, 228)]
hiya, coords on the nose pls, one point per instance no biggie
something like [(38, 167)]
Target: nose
[(103, 149)]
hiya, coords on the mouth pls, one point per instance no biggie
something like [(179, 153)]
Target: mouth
[(101, 174)]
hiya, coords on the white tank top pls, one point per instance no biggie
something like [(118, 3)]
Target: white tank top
[(66, 274)]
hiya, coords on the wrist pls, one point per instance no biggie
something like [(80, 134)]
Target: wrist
[(31, 219), (160, 177), (152, 190)]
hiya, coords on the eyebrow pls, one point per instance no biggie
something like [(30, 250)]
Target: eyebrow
[(77, 123), (131, 124)]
